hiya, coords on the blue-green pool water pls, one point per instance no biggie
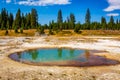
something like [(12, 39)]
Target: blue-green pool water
[(48, 55), (61, 57)]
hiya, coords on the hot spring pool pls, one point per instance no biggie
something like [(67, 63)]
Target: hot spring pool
[(61, 57)]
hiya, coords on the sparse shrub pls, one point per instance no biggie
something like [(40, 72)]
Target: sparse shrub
[(6, 32)]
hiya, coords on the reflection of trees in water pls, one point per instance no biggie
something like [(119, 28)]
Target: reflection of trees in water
[(72, 52), (60, 52), (87, 54), (19, 55), (34, 54)]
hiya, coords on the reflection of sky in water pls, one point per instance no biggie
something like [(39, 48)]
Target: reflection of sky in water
[(62, 57), (46, 55)]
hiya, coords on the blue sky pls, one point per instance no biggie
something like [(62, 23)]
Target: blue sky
[(47, 9)]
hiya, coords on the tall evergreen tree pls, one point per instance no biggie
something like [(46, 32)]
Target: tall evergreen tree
[(0, 20), (72, 21), (111, 23), (117, 21), (87, 19), (112, 20), (103, 23), (54, 26), (17, 20), (68, 23), (50, 28), (117, 25), (60, 19), (7, 27), (34, 18), (28, 21), (23, 22), (22, 27), (11, 19), (103, 20), (4, 17)]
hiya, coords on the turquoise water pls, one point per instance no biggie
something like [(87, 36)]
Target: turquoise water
[(47, 55), (61, 57)]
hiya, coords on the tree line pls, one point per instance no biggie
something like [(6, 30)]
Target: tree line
[(23, 21), (20, 21), (70, 23)]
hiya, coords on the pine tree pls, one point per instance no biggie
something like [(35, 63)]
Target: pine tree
[(17, 21), (117, 21), (60, 19), (72, 21), (112, 20), (22, 27), (54, 26), (87, 19), (111, 23), (6, 32), (23, 21), (95, 26), (103, 23), (65, 25), (117, 25), (28, 21), (34, 18), (68, 23), (0, 20), (50, 28), (11, 19), (4, 17)]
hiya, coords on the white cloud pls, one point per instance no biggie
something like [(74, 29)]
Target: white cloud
[(113, 14), (113, 5), (8, 1), (44, 2)]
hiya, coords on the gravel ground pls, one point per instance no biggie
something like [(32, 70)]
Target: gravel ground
[(12, 70)]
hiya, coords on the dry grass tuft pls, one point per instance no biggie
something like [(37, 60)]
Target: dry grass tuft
[(66, 33)]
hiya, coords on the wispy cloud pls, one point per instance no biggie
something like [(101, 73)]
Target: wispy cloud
[(113, 5), (40, 2), (8, 1), (113, 14)]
